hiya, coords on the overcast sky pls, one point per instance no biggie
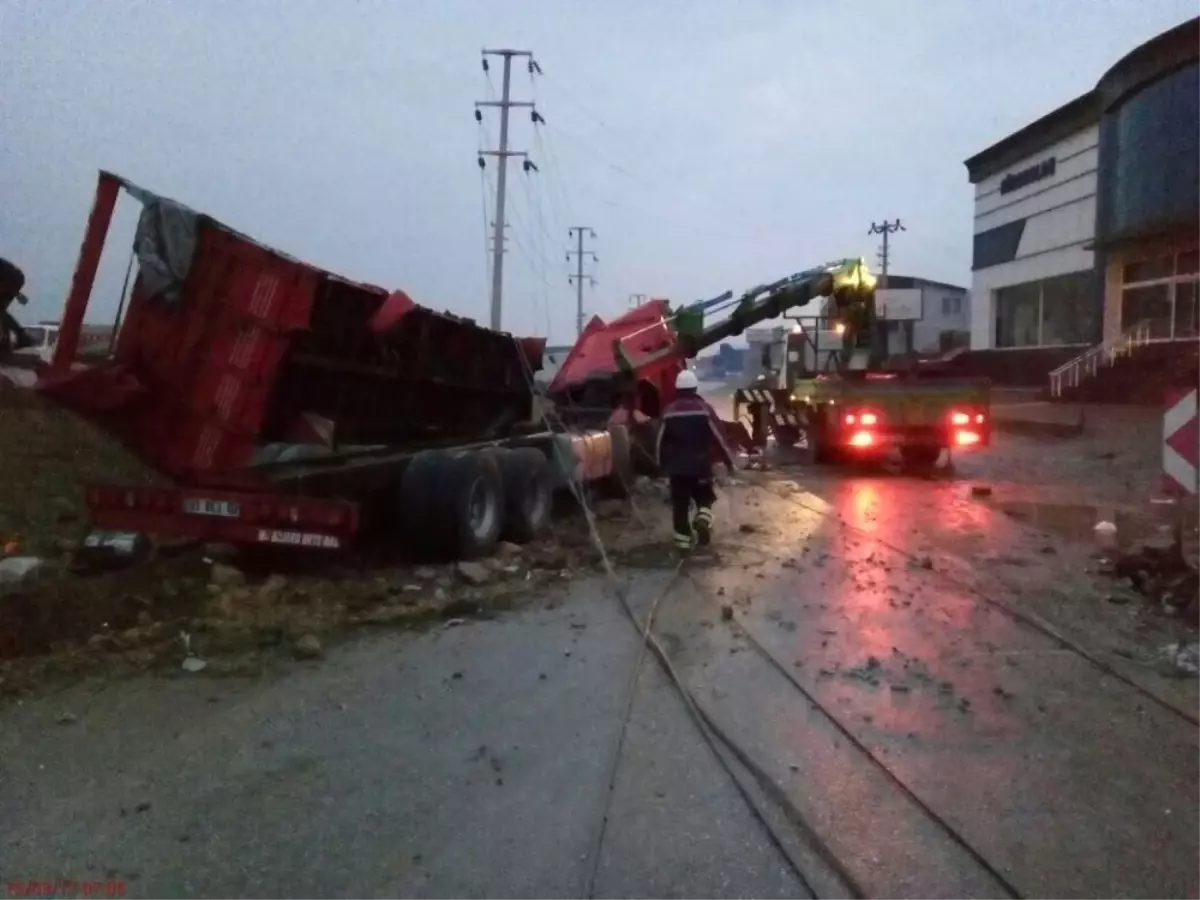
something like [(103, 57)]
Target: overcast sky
[(711, 144)]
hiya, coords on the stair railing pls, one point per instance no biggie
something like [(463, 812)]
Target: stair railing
[(1075, 371)]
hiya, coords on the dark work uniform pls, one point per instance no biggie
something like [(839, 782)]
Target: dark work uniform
[(690, 432), (12, 279)]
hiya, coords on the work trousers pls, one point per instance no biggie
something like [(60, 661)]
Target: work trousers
[(686, 490)]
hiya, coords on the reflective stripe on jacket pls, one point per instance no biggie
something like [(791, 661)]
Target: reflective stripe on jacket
[(690, 430)]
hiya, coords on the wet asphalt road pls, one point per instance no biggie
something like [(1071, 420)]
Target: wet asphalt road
[(474, 761)]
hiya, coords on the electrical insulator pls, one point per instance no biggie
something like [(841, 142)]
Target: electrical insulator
[(485, 65), (478, 116), (482, 164)]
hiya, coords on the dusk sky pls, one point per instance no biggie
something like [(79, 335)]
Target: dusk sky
[(712, 145)]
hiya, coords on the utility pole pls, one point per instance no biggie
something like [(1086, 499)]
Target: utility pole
[(577, 232), (502, 153), (887, 228)]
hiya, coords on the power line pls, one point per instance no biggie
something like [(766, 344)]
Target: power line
[(578, 231), (502, 153)]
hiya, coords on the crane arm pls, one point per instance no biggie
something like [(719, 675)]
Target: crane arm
[(847, 281)]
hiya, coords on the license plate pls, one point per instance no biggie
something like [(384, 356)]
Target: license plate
[(225, 509)]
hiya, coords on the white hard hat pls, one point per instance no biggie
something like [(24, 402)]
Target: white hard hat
[(686, 381)]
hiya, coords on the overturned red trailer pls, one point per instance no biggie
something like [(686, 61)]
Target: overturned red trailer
[(290, 405)]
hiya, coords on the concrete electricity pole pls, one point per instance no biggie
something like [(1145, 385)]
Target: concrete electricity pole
[(577, 232), (502, 153), (887, 228)]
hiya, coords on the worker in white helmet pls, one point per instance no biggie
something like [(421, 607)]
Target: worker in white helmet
[(690, 436)]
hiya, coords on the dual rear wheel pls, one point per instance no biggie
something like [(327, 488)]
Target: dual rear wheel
[(461, 503)]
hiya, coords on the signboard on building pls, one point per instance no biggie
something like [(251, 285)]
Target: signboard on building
[(1014, 181), (899, 304)]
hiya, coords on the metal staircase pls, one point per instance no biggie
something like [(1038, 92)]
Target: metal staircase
[(1083, 367)]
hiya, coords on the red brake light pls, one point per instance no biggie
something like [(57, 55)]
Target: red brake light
[(851, 419), (960, 418), (862, 439), (868, 418), (966, 438)]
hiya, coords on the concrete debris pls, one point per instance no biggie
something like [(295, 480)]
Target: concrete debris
[(726, 612), (981, 490), (1179, 660), (507, 550), (193, 664), (66, 718), (308, 646), (1159, 575), (426, 573), (473, 573), (16, 570)]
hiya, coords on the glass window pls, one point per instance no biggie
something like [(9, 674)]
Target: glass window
[(1187, 311), (1148, 269), (1017, 317), (1150, 304), (951, 306), (1070, 310), (1188, 263)]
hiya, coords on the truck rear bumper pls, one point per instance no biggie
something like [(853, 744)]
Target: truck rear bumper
[(222, 516)]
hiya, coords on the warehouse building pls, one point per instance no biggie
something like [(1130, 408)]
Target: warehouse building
[(1087, 220)]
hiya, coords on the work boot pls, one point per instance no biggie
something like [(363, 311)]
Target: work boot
[(702, 525), (684, 543)]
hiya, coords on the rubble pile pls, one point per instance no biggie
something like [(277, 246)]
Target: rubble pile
[(47, 455), (1158, 575)]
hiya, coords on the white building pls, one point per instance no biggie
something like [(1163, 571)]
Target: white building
[(939, 314), (1085, 220), (1033, 267)]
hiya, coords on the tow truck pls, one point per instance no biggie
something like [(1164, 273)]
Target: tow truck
[(843, 402)]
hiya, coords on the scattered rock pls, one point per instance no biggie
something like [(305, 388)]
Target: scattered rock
[(66, 718), (748, 528), (15, 570), (726, 612), (193, 664), (507, 550), (225, 576), (426, 573), (981, 490), (308, 646), (472, 572), (900, 688), (272, 587)]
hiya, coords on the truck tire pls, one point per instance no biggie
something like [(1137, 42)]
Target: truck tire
[(417, 511), (618, 482), (452, 504), (528, 494), (470, 504)]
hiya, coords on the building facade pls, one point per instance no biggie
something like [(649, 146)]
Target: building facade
[(1087, 221)]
